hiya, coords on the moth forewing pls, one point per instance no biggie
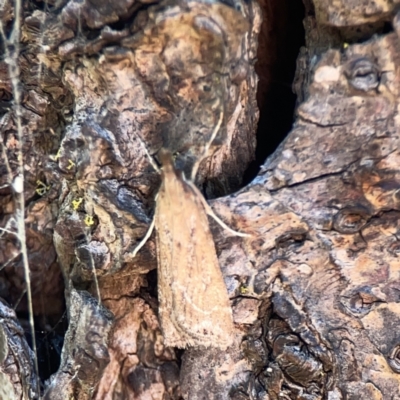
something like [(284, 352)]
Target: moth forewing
[(194, 306)]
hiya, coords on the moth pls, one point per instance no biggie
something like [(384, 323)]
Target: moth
[(194, 307)]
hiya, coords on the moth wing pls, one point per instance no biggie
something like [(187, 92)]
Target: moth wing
[(194, 304)]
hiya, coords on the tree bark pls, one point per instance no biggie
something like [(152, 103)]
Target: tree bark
[(313, 289)]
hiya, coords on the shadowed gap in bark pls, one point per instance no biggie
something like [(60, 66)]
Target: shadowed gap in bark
[(282, 32)]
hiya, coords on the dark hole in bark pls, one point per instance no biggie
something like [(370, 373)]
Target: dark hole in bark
[(281, 36), (152, 283), (49, 342), (49, 345)]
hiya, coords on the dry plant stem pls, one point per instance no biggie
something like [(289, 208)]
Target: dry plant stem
[(14, 72), (96, 282), (3, 149)]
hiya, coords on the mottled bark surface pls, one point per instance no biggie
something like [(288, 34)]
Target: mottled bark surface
[(98, 101), (314, 290)]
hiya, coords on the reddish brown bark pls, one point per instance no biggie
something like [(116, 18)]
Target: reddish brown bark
[(314, 290)]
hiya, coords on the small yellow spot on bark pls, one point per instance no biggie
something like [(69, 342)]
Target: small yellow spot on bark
[(57, 156), (71, 164), (76, 203), (243, 289), (42, 188), (89, 221)]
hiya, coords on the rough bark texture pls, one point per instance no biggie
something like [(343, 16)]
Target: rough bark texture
[(314, 290), (17, 381)]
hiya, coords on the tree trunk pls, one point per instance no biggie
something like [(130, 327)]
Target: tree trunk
[(92, 92)]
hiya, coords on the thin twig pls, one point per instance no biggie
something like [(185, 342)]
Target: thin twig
[(18, 182)]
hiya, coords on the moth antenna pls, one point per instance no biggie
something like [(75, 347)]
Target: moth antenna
[(207, 146), (145, 239), (151, 159), (211, 213), (151, 227)]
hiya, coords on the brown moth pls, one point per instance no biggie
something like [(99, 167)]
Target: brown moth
[(194, 306)]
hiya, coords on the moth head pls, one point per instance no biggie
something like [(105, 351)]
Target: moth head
[(166, 159)]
